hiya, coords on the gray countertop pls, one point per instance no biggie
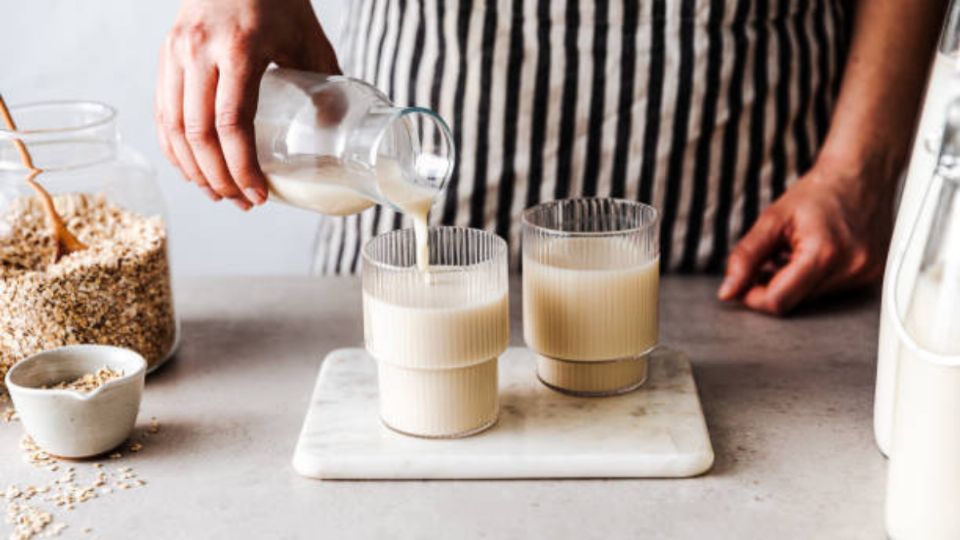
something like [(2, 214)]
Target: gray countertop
[(788, 404)]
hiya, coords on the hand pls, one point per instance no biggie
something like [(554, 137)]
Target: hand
[(208, 84), (827, 233)]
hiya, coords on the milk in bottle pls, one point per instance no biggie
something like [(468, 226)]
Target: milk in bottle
[(337, 146), (923, 488), (943, 84)]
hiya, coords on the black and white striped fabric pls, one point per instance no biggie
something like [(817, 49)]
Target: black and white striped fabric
[(707, 109)]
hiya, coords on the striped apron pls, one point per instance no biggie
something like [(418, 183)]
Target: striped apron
[(707, 109)]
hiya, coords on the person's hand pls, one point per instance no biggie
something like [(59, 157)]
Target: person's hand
[(208, 83), (827, 233)]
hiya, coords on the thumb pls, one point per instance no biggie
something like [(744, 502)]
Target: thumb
[(320, 56), (325, 57), (750, 253), (310, 51)]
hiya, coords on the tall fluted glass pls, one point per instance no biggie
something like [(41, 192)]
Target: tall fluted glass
[(437, 335), (590, 292)]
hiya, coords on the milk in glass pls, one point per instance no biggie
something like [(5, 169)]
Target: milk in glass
[(437, 334), (590, 312), (590, 299)]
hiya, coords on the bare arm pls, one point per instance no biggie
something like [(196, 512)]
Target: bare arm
[(833, 225), (893, 41)]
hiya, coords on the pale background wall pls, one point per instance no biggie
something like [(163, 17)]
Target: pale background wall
[(106, 50)]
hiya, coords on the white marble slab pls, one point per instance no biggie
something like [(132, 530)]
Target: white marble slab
[(656, 431)]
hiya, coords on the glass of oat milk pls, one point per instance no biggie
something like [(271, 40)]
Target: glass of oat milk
[(436, 334), (923, 488), (590, 293)]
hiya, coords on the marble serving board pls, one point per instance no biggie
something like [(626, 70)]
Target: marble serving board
[(657, 431)]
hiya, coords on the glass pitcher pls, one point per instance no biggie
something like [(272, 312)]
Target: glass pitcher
[(943, 85), (337, 145), (117, 291), (923, 488)]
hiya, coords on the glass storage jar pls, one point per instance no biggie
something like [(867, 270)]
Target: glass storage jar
[(118, 290)]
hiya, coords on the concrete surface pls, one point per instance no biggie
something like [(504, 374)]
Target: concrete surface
[(787, 402)]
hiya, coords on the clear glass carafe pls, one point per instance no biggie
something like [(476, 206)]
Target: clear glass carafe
[(337, 145), (923, 490), (943, 85), (118, 290)]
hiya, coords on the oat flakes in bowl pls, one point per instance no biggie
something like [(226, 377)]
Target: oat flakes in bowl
[(68, 417)]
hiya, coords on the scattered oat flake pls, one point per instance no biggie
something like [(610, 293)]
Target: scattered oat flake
[(27, 506), (55, 529), (9, 415), (28, 521)]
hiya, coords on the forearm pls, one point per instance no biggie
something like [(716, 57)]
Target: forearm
[(891, 48)]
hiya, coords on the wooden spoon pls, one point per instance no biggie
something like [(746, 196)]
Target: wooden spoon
[(66, 242)]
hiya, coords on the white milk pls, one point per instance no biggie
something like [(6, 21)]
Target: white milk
[(413, 201), (923, 487), (437, 344), (323, 186), (940, 90), (438, 403), (589, 300), (326, 186), (445, 323)]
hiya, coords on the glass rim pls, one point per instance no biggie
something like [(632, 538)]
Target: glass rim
[(400, 113), (106, 114), (525, 218), (500, 249), (404, 112)]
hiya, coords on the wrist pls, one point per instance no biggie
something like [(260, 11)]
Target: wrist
[(877, 164)]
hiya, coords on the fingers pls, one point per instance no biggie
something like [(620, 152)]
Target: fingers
[(172, 123), (200, 87), (822, 260), (749, 256), (319, 55), (860, 268), (328, 57), (165, 145), (209, 137), (236, 100), (315, 53), (796, 281), (209, 79)]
